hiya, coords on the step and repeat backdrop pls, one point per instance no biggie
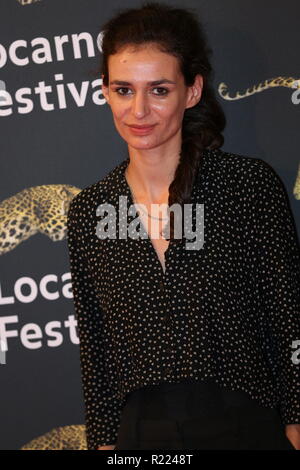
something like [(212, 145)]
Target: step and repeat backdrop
[(58, 136)]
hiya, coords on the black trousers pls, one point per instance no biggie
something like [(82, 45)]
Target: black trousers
[(198, 415)]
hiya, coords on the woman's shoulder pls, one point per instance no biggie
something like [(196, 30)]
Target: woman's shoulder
[(95, 193), (236, 161), (242, 171)]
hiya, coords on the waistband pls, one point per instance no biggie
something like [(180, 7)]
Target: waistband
[(206, 389)]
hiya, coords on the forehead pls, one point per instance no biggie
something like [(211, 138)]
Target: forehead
[(142, 60)]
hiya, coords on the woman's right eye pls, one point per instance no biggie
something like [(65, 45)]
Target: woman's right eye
[(117, 90)]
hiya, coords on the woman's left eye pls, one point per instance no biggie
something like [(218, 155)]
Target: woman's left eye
[(165, 91)]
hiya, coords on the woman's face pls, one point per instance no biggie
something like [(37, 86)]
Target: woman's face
[(135, 100)]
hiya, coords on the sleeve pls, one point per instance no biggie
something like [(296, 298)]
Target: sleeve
[(278, 258), (102, 408)]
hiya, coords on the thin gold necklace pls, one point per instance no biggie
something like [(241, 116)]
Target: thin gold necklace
[(147, 213)]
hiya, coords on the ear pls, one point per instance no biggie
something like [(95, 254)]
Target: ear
[(195, 92)]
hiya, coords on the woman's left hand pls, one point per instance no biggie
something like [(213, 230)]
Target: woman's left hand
[(292, 432)]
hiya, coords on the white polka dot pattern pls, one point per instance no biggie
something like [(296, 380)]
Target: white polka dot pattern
[(229, 310)]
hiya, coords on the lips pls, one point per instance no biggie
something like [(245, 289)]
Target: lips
[(141, 127), (141, 130)]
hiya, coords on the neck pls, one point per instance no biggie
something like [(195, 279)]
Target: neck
[(150, 178)]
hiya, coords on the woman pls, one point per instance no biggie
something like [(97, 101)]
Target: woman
[(182, 346)]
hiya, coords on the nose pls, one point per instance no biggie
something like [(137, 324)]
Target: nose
[(140, 105)]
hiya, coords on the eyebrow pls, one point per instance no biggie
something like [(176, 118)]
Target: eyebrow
[(155, 82)]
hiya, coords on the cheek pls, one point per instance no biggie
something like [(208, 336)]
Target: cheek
[(170, 118), (118, 108), (119, 114), (171, 109)]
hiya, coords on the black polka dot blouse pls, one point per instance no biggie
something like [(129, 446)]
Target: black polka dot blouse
[(229, 310)]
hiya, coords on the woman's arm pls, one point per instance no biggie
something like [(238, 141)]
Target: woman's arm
[(277, 256), (102, 408)]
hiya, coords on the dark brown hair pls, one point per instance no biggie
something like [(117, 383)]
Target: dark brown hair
[(178, 32)]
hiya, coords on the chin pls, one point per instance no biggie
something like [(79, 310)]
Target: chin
[(140, 142), (140, 146)]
